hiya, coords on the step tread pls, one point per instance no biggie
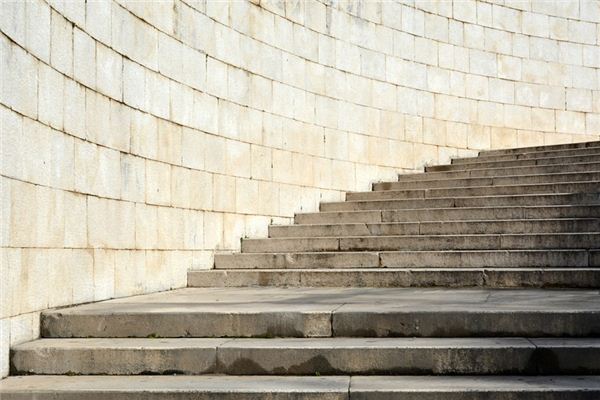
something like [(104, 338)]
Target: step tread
[(508, 163), (575, 145), (337, 387), (541, 153)]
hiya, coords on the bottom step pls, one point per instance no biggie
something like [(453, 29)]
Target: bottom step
[(300, 388), (400, 277)]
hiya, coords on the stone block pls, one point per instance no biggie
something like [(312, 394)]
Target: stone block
[(171, 228), (130, 273), (158, 183), (193, 230), (234, 226), (144, 134), (180, 187), (104, 274), (61, 44), (506, 19), (169, 142), (213, 230), (97, 117), (134, 84), (10, 143), (37, 29), (133, 178), (51, 96), (35, 152), (12, 20), (146, 226), (109, 72), (201, 190), (98, 20), (570, 122), (224, 193), (4, 347), (503, 138), (238, 159), (84, 58), (62, 163), (579, 100), (98, 170), (111, 223), (75, 212), (19, 79), (74, 109), (119, 135)]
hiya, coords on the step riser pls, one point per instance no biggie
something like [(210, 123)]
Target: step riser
[(518, 163), (501, 172), (535, 200), (566, 146), (341, 323), (528, 156), (433, 228), (501, 181), (410, 259), (389, 278), (449, 214), (583, 187), (508, 356), (448, 242)]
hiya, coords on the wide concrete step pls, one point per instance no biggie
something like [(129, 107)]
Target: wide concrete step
[(438, 228), (400, 277), (333, 312), (515, 150), (411, 259), (489, 181), (590, 158), (572, 240), (502, 172), (450, 214), (301, 387), (565, 187), (542, 199), (216, 387), (529, 155), (312, 356)]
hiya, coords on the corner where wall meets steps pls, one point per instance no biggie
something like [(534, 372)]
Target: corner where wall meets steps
[(476, 280)]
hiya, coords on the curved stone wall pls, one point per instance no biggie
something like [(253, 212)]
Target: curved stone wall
[(140, 137)]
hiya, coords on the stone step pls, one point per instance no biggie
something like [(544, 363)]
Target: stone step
[(541, 199), (475, 388), (571, 240), (500, 172), (489, 181), (566, 146), (312, 356), (450, 214), (220, 387), (529, 155), (590, 158), (400, 277), (338, 312), (411, 259), (216, 387), (438, 228), (498, 190)]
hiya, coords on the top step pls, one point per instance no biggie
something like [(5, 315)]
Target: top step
[(580, 145), (528, 155)]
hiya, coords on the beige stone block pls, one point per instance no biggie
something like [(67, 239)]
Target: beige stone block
[(529, 138), (12, 20), (482, 63), (456, 135), (501, 91), (465, 11), (144, 135), (61, 44), (344, 173), (98, 19), (158, 183), (282, 166), (180, 187), (193, 230), (474, 37), (109, 72), (392, 124), (426, 51), (75, 223), (19, 79), (97, 117), (37, 29), (579, 100), (224, 193), (478, 137), (35, 152), (202, 260), (104, 274), (582, 32), (9, 262), (146, 226), (213, 230), (517, 116), (5, 212), (50, 218), (23, 210), (134, 84), (201, 190), (192, 146), (496, 41), (559, 28), (111, 223), (133, 178), (552, 97), (413, 129), (477, 87), (238, 158), (542, 119), (215, 154), (268, 198), (21, 328), (246, 196), (170, 228), (74, 109), (527, 94), (438, 80), (591, 56), (425, 154), (535, 24), (592, 124), (84, 58), (434, 131), (436, 27), (119, 135), (130, 273), (98, 170), (261, 162), (503, 138), (11, 125), (169, 142), (570, 122), (543, 49), (62, 163), (32, 281), (170, 60), (256, 226), (570, 53), (157, 95), (4, 347), (413, 21), (557, 138), (505, 18), (509, 67)]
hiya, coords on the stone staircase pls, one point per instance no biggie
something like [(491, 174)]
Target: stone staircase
[(475, 280)]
